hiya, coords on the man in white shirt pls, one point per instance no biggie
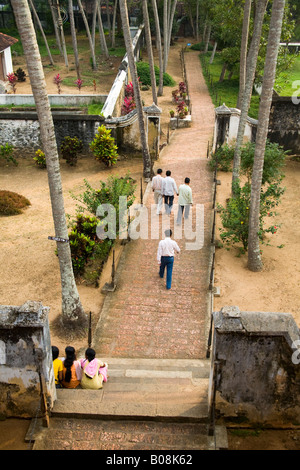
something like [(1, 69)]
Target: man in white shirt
[(185, 200), (168, 189), (165, 256), (156, 185)]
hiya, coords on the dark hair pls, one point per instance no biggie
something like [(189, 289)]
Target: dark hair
[(68, 362), (168, 173), (159, 171), (168, 233), (55, 352), (187, 180), (90, 354)]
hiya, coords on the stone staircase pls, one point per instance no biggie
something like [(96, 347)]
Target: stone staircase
[(146, 404)]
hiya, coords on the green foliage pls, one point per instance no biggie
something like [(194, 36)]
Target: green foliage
[(40, 159), (6, 152), (143, 71), (12, 203), (103, 147), (223, 158), (69, 148), (235, 216), (200, 46), (108, 193), (81, 250)]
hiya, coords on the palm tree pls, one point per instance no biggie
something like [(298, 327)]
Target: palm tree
[(254, 255), (42, 30), (159, 49), (137, 94), (74, 38), (250, 74), (149, 50), (62, 36), (88, 34), (244, 49), (72, 311), (103, 44)]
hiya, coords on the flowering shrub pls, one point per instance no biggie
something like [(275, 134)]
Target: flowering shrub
[(12, 78), (128, 105), (69, 148), (79, 83), (57, 80)]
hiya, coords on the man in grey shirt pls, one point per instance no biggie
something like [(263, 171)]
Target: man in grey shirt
[(185, 200), (168, 191)]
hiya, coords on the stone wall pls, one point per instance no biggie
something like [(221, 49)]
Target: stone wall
[(22, 130), (24, 335), (284, 125), (257, 367)]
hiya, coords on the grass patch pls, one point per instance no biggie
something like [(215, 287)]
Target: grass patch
[(12, 203), (95, 108), (245, 432), (226, 91), (284, 83)]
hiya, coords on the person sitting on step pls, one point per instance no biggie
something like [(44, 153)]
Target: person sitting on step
[(94, 371)]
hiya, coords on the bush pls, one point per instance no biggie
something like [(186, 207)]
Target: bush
[(12, 203), (81, 250), (40, 159), (6, 152), (235, 216), (223, 157), (103, 147), (143, 71), (69, 148)]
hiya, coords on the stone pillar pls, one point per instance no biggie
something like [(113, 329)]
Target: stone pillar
[(152, 116), (25, 358), (222, 123)]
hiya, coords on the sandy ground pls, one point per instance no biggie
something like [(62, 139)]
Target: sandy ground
[(276, 287)]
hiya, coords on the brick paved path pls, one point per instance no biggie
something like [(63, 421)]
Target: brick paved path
[(141, 318)]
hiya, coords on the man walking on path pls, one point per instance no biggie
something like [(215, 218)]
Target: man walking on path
[(185, 200), (157, 187), (169, 189), (165, 256)]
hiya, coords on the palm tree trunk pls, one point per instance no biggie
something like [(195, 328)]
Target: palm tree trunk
[(74, 38), (159, 49), (165, 34), (113, 33), (254, 255), (89, 34), (244, 49), (149, 50), (137, 94), (72, 311), (170, 23), (250, 74), (213, 53), (103, 44), (62, 36), (56, 29), (42, 31)]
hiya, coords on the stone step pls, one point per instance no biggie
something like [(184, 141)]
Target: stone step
[(143, 389)]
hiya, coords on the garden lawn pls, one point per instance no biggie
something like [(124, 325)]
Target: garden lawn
[(228, 90)]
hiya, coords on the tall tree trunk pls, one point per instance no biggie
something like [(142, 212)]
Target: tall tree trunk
[(103, 44), (170, 22), (213, 53), (207, 38), (74, 38), (159, 49), (244, 50), (165, 34), (62, 36), (88, 34), (113, 33), (108, 19), (197, 21), (149, 50), (72, 311), (42, 31), (56, 29), (254, 256), (137, 94), (250, 74), (94, 23)]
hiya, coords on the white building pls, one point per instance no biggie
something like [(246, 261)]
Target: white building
[(6, 65)]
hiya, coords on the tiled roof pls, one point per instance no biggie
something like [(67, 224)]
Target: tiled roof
[(6, 41)]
